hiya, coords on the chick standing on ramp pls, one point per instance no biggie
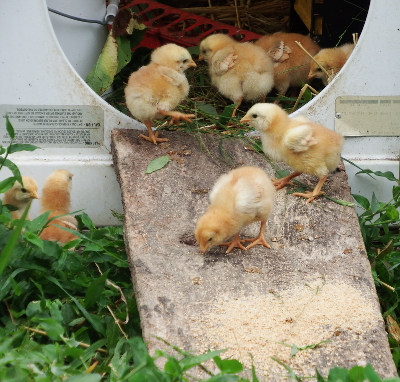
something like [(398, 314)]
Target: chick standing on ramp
[(156, 89), (238, 198), (305, 146)]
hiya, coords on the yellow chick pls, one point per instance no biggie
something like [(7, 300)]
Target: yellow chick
[(291, 63), (56, 197), (240, 71), (19, 196), (332, 60), (156, 89), (238, 198), (305, 146)]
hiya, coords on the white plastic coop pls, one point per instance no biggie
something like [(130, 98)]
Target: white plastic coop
[(45, 57)]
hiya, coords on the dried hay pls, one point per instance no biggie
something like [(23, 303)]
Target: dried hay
[(262, 16)]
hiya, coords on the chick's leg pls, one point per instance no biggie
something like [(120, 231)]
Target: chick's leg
[(234, 243), (152, 137), (239, 102), (280, 183), (260, 239), (176, 116), (317, 191)]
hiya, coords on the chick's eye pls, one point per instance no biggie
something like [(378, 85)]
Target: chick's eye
[(318, 70), (185, 61), (254, 115), (23, 189), (210, 239)]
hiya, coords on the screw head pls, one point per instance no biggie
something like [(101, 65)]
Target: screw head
[(338, 115)]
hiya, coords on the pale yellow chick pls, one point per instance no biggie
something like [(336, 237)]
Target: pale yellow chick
[(238, 198), (240, 71), (155, 90), (56, 197), (332, 60), (305, 146), (291, 63), (19, 196)]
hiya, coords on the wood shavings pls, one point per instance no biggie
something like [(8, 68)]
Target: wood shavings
[(197, 280), (253, 270), (302, 315)]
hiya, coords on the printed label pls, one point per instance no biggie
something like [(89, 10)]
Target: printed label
[(367, 116), (53, 126)]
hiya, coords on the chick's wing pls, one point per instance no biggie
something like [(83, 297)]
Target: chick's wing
[(280, 52), (300, 138), (171, 75), (249, 193), (223, 60)]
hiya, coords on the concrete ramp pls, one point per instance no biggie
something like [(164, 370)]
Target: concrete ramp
[(313, 285)]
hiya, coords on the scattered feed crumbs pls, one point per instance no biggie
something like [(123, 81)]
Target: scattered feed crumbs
[(306, 315)]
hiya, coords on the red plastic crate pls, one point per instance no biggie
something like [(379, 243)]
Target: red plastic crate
[(167, 24)]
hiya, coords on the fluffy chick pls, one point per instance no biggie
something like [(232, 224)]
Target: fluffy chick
[(156, 89), (305, 146), (240, 71), (56, 197), (238, 198), (19, 196), (291, 63), (332, 60)]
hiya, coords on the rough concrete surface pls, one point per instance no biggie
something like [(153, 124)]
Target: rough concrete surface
[(313, 285)]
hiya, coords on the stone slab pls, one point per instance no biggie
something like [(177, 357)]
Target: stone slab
[(313, 285)]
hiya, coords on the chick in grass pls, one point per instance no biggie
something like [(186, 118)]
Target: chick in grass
[(20, 195), (291, 63), (240, 71), (305, 146), (238, 198), (56, 197), (156, 89), (332, 60)]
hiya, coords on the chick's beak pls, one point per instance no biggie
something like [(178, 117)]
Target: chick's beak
[(202, 57), (310, 75), (192, 63), (34, 195), (245, 119)]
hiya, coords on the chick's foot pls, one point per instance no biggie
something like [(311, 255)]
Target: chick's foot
[(280, 183), (176, 116), (309, 195), (317, 191), (154, 138), (234, 243), (260, 239)]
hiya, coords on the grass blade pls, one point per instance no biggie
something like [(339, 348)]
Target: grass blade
[(9, 247), (362, 170)]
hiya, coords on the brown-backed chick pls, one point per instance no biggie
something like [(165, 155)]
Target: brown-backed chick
[(332, 60), (305, 146), (238, 198), (156, 89), (240, 71), (20, 195), (291, 63), (56, 197)]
